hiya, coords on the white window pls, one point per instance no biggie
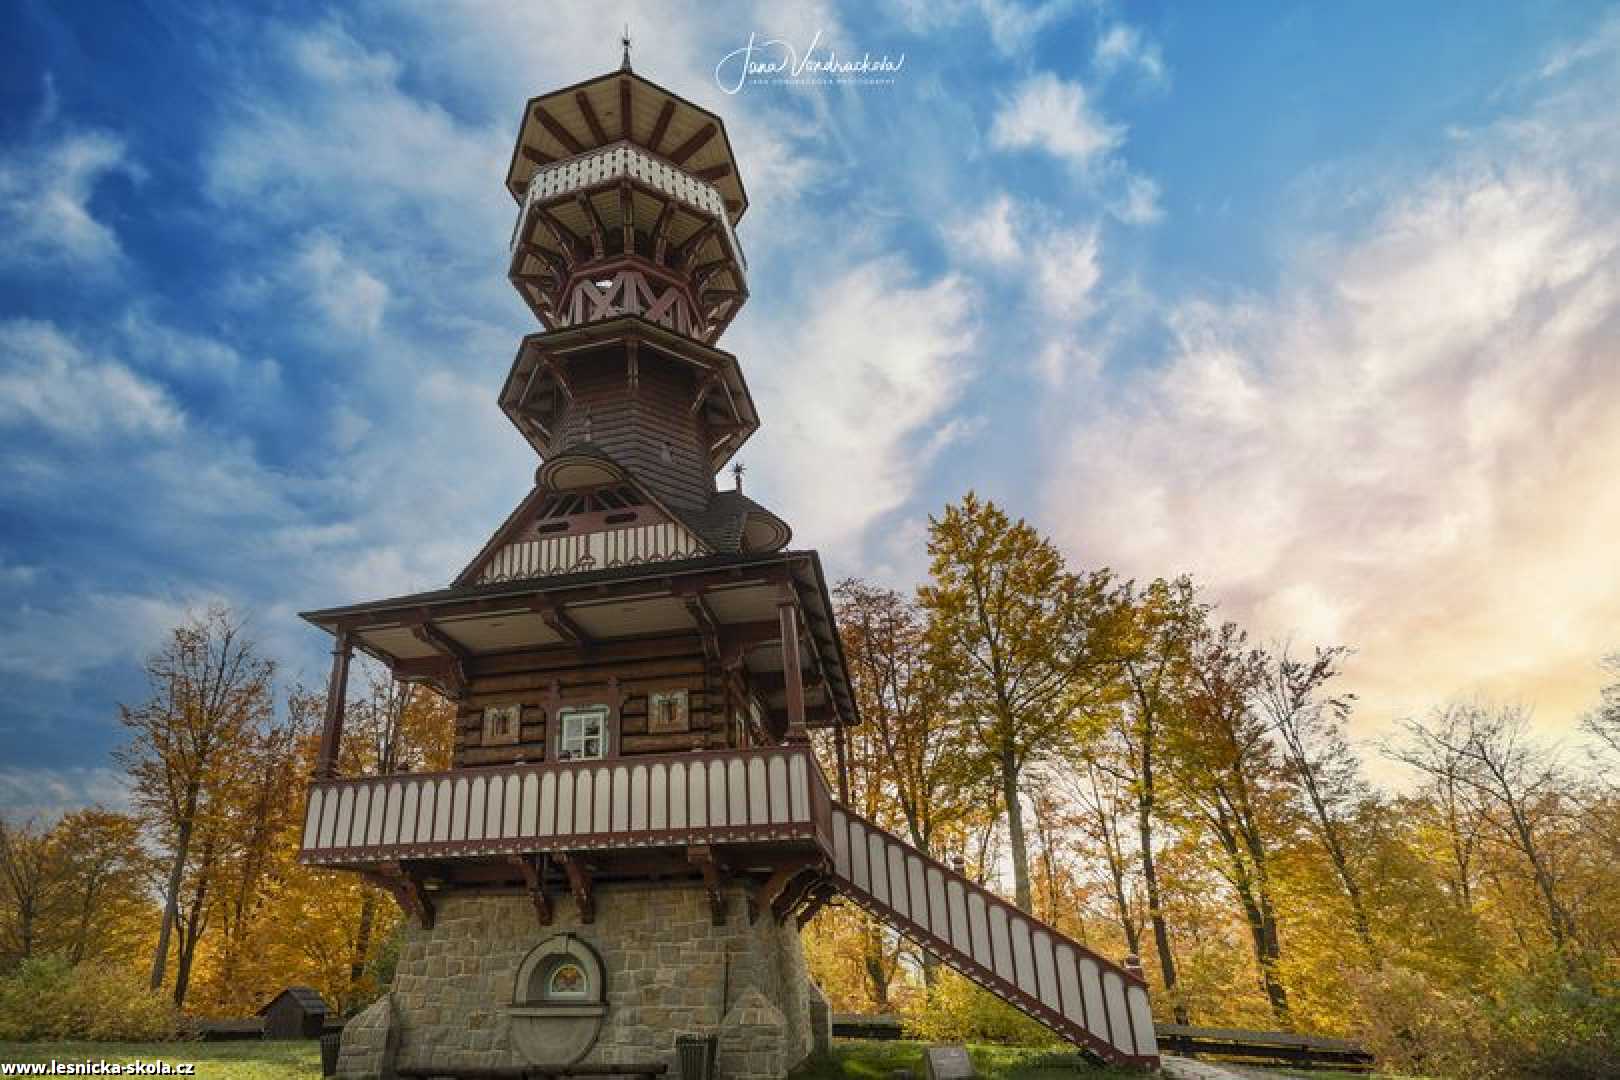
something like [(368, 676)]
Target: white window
[(582, 733)]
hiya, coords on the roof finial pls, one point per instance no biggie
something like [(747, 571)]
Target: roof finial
[(625, 41), (737, 471)]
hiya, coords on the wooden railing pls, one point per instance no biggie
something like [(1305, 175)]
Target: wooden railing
[(623, 160), (772, 794), (1082, 996)]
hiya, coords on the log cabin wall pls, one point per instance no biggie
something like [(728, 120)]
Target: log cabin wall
[(652, 431), (620, 677)]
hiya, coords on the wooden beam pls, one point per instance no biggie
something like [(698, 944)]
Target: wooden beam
[(404, 884), (708, 625), (337, 694), (714, 172), (533, 868), (589, 113), (579, 883), (813, 905), (627, 220), (660, 230), (690, 245), (691, 146), (531, 154), (560, 133), (765, 897), (788, 612), (553, 615), (562, 234), (446, 646), (661, 125), (702, 856), (598, 230), (624, 111)]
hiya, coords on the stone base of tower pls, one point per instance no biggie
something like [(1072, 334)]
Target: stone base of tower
[(464, 993)]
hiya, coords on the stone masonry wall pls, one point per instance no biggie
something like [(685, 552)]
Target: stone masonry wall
[(669, 971)]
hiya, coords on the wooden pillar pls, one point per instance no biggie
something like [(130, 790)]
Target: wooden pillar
[(337, 692), (843, 763), (792, 673)]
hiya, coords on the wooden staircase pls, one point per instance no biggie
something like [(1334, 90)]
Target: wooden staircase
[(1095, 1004)]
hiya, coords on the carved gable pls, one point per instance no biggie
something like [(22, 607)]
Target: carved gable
[(573, 532)]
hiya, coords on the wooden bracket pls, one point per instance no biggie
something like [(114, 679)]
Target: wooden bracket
[(813, 905), (553, 615), (533, 868), (579, 883), (768, 895), (407, 889), (702, 856)]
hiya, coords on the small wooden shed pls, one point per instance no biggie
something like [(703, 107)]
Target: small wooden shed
[(298, 1012)]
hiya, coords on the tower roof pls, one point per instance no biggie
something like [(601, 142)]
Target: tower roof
[(580, 118)]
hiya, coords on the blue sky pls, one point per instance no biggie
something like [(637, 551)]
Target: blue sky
[(1317, 303)]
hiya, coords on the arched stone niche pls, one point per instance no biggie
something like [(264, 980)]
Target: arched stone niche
[(559, 1002)]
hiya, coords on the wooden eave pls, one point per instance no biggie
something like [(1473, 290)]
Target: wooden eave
[(794, 574), (557, 126)]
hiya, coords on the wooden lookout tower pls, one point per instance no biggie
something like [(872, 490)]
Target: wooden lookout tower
[(635, 827)]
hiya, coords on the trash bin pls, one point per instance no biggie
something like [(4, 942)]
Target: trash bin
[(329, 1053), (697, 1054)]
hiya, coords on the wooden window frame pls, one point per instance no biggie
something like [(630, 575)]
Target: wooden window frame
[(685, 694), (609, 735), (514, 737)]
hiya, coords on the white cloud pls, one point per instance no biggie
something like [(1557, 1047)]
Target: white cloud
[(1121, 46), (1059, 265), (1409, 448), (87, 632), (1051, 114), (45, 191), (857, 389), (1013, 26), (47, 379), (351, 298), (42, 795), (1138, 203)]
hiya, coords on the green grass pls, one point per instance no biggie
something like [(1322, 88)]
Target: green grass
[(249, 1059), (862, 1059)]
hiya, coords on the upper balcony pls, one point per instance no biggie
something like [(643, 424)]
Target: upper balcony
[(619, 231)]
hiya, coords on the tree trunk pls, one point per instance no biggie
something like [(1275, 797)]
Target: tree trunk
[(1161, 932), (362, 938), (1022, 895), (171, 903)]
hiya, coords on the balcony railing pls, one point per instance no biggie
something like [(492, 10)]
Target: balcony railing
[(768, 795), (628, 161)]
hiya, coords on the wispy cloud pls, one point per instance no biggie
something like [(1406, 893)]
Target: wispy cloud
[(1404, 448), (48, 380), (1057, 116), (1122, 46), (46, 185)]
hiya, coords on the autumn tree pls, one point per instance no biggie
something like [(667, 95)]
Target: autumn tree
[(1153, 631), (1517, 787), (1309, 720), (209, 689), (1226, 770), (1017, 640), (26, 870)]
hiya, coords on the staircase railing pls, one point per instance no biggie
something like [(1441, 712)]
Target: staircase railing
[(1086, 998)]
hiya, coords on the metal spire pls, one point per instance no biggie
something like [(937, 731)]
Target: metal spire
[(737, 471), (625, 41)]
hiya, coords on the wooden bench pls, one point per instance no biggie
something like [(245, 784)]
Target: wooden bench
[(1269, 1047), (530, 1073)]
